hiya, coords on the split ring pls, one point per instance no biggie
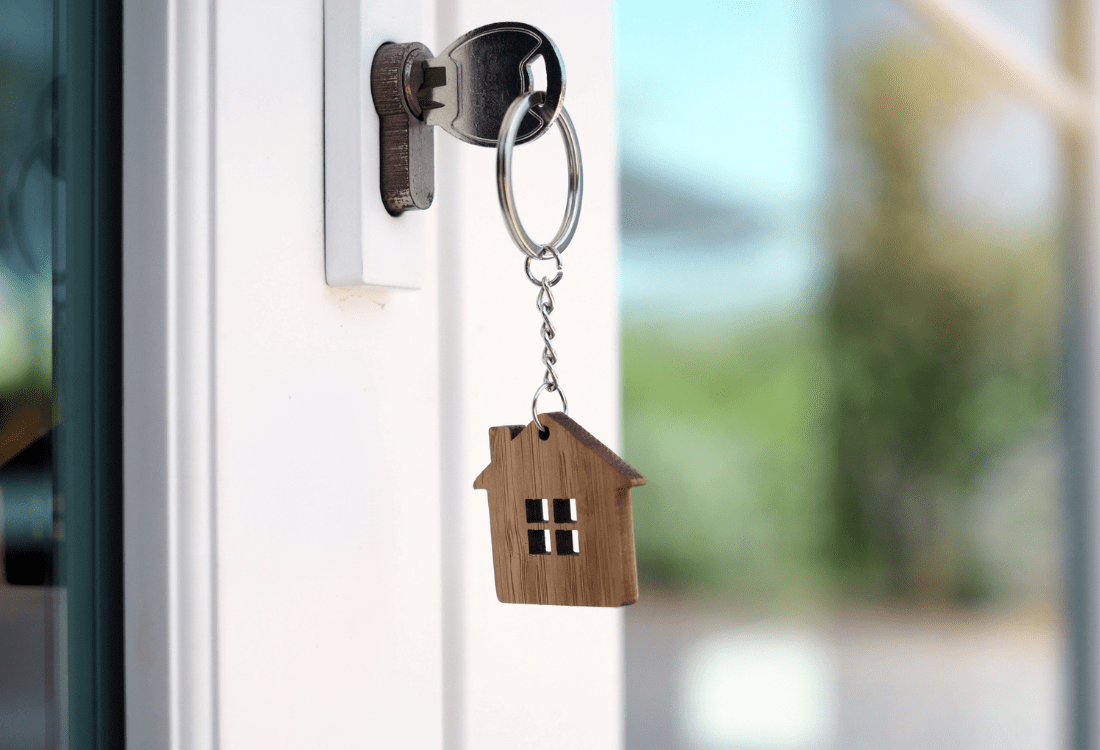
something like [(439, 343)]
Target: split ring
[(506, 141)]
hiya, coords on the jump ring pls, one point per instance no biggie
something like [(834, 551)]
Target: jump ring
[(506, 141), (535, 402), (557, 258)]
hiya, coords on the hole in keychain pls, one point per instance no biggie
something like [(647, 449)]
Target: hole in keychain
[(565, 510), (538, 510)]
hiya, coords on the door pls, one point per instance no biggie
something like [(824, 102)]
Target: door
[(308, 564)]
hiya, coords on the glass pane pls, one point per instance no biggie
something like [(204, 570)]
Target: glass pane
[(60, 375), (32, 632), (842, 306)]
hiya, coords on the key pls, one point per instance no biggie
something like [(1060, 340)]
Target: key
[(467, 89)]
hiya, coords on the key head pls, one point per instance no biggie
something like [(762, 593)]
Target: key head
[(469, 87)]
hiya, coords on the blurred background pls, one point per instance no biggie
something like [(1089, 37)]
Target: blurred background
[(33, 660), (842, 288)]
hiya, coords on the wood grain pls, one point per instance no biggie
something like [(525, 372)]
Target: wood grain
[(570, 463)]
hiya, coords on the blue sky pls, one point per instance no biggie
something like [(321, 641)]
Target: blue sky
[(729, 95), (732, 100), (728, 99)]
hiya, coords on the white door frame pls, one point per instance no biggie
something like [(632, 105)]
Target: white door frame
[(168, 341)]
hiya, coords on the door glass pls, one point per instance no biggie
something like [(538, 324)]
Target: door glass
[(842, 306), (33, 659)]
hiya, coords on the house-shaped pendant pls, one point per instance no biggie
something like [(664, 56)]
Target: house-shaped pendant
[(560, 516)]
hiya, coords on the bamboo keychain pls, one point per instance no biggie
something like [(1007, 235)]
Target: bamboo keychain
[(559, 499)]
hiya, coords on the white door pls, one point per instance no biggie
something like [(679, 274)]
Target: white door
[(307, 564)]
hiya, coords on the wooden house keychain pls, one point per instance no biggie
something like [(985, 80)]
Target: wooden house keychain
[(559, 499)]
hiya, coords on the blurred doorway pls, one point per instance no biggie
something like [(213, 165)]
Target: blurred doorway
[(844, 337)]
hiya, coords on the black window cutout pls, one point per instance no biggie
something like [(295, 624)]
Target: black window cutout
[(568, 542), (538, 541), (537, 512), (565, 511)]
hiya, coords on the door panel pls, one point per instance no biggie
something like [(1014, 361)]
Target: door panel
[(317, 546), (327, 432)]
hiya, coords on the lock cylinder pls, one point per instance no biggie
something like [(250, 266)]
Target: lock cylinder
[(407, 149)]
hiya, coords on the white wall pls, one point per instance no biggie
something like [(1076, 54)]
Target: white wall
[(350, 595)]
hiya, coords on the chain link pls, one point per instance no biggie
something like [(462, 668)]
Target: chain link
[(545, 305)]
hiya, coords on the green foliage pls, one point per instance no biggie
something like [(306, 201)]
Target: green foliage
[(940, 342), (839, 452), (727, 428)]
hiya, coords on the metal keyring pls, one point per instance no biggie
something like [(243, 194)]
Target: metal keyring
[(535, 403), (506, 141)]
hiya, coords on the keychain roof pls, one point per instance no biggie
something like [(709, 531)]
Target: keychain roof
[(587, 439)]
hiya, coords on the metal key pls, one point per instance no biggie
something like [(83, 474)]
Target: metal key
[(469, 87), (465, 91)]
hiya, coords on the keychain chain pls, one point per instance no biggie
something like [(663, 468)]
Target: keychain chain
[(545, 305), (506, 141)]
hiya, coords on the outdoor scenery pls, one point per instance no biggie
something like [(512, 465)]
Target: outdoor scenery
[(843, 309), (32, 173)]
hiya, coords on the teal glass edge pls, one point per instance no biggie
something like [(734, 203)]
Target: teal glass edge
[(89, 375)]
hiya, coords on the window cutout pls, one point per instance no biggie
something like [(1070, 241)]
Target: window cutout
[(569, 542), (538, 511), (565, 511), (538, 541)]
